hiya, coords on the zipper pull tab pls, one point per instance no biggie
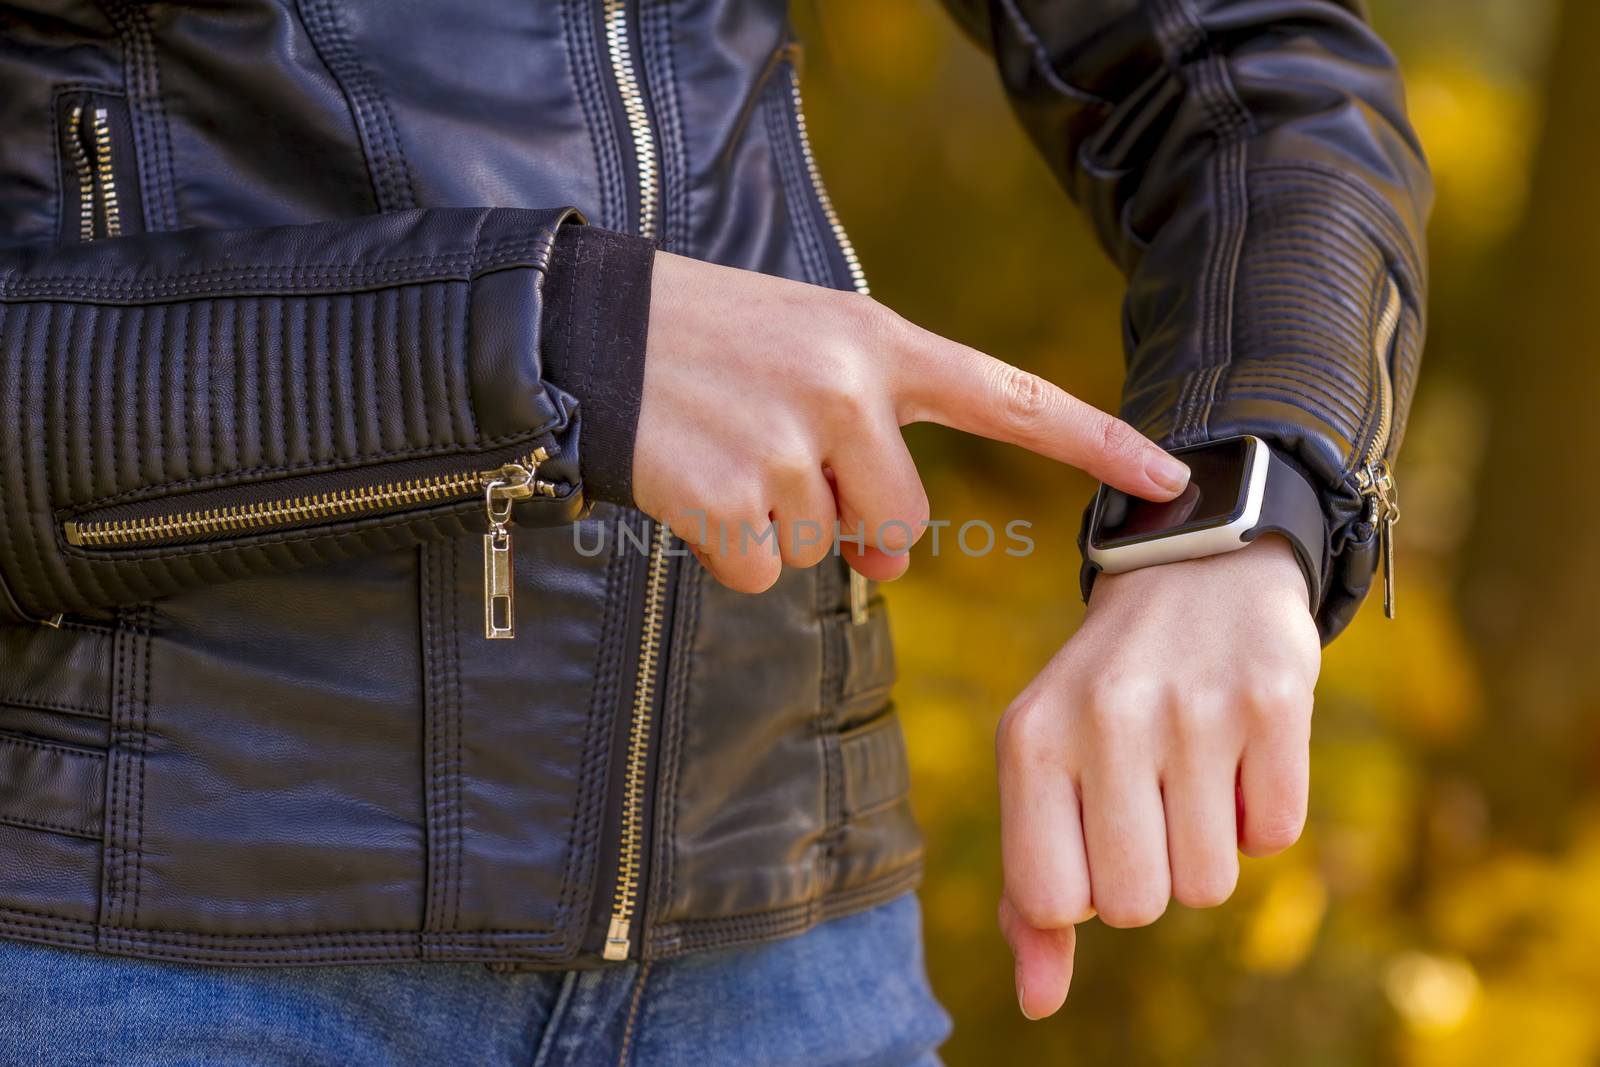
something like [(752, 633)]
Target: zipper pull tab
[(1376, 482), (619, 941), (503, 488)]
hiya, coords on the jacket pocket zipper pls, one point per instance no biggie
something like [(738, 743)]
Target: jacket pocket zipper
[(1374, 479), (100, 198), (631, 831), (234, 511)]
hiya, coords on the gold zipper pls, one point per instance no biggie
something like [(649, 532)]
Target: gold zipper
[(500, 487), (1375, 480), (858, 278), (80, 166), (633, 107), (108, 176), (630, 845)]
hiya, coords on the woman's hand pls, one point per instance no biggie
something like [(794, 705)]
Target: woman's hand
[(1169, 733), (771, 401)]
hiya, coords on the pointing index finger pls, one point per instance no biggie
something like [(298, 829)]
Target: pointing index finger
[(959, 387)]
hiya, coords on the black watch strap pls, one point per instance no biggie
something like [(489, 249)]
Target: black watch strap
[(1292, 508)]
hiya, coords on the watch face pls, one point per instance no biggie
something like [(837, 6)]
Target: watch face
[(1218, 488)]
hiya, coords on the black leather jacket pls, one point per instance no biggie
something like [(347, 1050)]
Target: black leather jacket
[(271, 310)]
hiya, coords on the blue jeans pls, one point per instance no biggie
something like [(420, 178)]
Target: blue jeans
[(851, 991)]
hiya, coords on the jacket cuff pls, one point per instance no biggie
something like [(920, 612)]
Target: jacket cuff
[(597, 316)]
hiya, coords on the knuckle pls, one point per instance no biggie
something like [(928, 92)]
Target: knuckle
[(790, 469), (876, 330), (1024, 396), (1026, 730), (1052, 909), (1274, 832), (1117, 437), (1120, 705), (804, 554), (1205, 889), (1276, 692), (1198, 713), (881, 325), (1126, 911), (848, 396), (760, 574)]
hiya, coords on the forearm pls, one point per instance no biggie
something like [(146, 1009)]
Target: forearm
[(1250, 167)]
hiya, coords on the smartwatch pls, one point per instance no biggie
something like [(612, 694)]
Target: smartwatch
[(1238, 490)]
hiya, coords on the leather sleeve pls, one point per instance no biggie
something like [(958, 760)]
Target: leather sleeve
[(1249, 165), (151, 375)]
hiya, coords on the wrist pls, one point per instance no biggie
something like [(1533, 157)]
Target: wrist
[(1266, 570)]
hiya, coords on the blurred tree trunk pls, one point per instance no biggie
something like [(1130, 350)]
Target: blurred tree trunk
[(1531, 576)]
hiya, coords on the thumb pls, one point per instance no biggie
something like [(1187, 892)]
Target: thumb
[(1043, 962)]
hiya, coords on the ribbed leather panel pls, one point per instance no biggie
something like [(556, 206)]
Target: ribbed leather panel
[(1311, 288), (236, 388), (154, 366)]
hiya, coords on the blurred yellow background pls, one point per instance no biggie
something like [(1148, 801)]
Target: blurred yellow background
[(1444, 904)]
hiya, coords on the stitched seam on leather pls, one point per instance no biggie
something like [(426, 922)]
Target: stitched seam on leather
[(1281, 173), (63, 707), (369, 109), (1300, 182), (797, 187), (124, 748), (58, 166), (111, 869), (142, 644), (153, 113), (827, 737), (403, 939), (689, 593), (143, 96), (161, 133), (588, 807), (90, 832), (24, 460), (11, 740), (784, 130), (341, 366), (433, 845), (452, 623), (451, 368), (594, 320), (1041, 59), (313, 279), (136, 114), (1270, 385), (659, 44), (1182, 33), (597, 118), (430, 758)]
